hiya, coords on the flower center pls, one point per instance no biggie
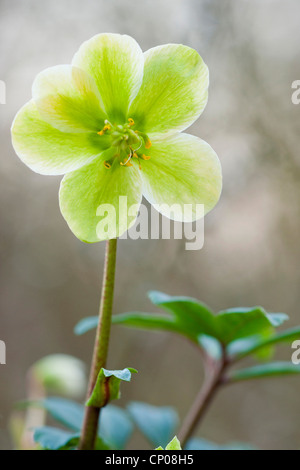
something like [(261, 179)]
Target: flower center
[(129, 143)]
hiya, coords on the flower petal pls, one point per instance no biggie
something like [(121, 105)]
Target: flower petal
[(47, 150), (68, 99), (116, 63), (90, 199), (182, 170), (174, 90)]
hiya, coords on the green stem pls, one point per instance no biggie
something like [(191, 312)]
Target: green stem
[(90, 423)]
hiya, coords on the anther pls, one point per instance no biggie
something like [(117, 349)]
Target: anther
[(131, 122), (148, 144), (107, 165), (107, 127)]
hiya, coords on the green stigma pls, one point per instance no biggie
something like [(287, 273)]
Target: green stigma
[(129, 143)]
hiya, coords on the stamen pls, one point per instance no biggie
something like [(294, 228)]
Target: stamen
[(131, 122), (126, 162), (145, 157), (107, 165), (107, 127)]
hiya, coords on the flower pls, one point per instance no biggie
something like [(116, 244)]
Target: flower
[(111, 122)]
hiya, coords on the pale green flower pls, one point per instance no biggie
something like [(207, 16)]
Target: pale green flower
[(111, 122)]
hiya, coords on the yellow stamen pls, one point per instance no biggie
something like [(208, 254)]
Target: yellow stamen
[(131, 122), (135, 155), (105, 128), (107, 165), (148, 144), (146, 157)]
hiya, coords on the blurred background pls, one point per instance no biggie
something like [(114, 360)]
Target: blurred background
[(49, 280)]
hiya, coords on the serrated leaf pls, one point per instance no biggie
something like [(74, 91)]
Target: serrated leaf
[(107, 387), (85, 325), (272, 369), (157, 423)]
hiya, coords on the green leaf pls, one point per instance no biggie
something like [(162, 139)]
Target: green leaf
[(242, 322), (253, 344), (85, 325), (203, 444), (115, 426), (211, 346), (157, 423), (265, 370), (148, 321), (190, 314), (67, 412), (195, 320), (107, 387), (55, 439), (174, 444), (277, 319)]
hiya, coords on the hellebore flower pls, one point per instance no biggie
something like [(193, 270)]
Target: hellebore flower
[(112, 121)]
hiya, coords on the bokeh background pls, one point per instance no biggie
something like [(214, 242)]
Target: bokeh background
[(49, 280)]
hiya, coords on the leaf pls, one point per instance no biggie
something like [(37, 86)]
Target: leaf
[(203, 444), (85, 325), (251, 345), (239, 323), (55, 439), (115, 426), (265, 370), (147, 321), (107, 387), (191, 314), (174, 444), (195, 320), (277, 319), (211, 346), (157, 423), (66, 412)]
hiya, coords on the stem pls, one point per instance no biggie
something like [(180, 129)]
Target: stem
[(211, 385), (91, 418)]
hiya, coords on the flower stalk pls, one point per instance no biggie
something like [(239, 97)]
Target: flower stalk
[(92, 414)]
